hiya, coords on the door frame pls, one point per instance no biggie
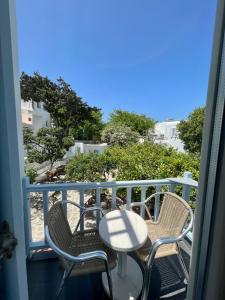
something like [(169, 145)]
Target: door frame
[(11, 154)]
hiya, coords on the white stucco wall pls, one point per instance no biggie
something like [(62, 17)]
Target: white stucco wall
[(166, 133), (41, 117), (34, 115), (80, 147), (167, 128)]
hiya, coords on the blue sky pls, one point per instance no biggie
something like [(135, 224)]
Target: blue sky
[(145, 56)]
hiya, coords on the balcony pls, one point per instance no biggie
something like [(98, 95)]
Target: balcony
[(43, 267)]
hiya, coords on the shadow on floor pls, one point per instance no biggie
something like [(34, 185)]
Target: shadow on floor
[(44, 277)]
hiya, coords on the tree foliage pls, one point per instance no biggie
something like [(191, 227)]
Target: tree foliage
[(89, 167), (138, 123), (31, 173), (65, 107), (49, 144), (116, 134), (89, 130), (151, 161), (136, 162), (190, 130)]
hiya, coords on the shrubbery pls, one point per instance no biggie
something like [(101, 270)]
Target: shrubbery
[(137, 122), (136, 162), (119, 135), (49, 144), (89, 167), (190, 130), (31, 173), (151, 161)]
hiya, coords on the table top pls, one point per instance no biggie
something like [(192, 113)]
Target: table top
[(123, 230)]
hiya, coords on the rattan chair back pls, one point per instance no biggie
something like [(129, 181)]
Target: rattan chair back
[(173, 214), (58, 226)]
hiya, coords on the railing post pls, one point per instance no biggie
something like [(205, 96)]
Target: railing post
[(27, 218), (81, 211), (98, 204), (45, 209), (143, 197), (172, 187), (129, 193), (186, 188), (157, 202), (114, 198), (64, 199)]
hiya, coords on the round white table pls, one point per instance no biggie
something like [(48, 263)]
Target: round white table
[(124, 231)]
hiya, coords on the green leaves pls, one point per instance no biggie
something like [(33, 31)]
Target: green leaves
[(32, 173), (137, 123), (135, 162), (48, 145), (89, 167), (67, 110), (151, 161), (190, 130), (119, 135)]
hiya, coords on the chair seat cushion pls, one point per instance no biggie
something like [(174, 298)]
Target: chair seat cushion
[(87, 241), (155, 232)]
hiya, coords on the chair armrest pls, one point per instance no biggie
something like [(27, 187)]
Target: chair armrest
[(98, 254), (86, 210), (93, 209), (141, 204), (74, 203)]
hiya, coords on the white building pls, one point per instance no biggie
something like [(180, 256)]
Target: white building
[(166, 133), (81, 147), (34, 115)]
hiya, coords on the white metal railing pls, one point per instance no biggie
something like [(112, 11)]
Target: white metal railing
[(186, 182)]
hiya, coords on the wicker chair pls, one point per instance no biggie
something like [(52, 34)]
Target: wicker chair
[(81, 252), (165, 233)]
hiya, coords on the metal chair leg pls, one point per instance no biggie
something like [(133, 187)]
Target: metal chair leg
[(108, 272), (148, 271), (61, 285), (146, 283), (183, 266), (66, 274)]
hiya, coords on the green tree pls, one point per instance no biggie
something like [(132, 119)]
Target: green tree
[(27, 135), (138, 123), (136, 162), (190, 130), (66, 109), (48, 145), (116, 134), (89, 130), (31, 173), (89, 167), (151, 161)]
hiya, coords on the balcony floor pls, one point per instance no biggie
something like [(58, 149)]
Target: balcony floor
[(44, 277)]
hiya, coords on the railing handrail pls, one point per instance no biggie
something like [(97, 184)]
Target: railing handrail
[(98, 185)]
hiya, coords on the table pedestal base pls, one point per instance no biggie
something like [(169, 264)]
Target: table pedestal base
[(127, 287)]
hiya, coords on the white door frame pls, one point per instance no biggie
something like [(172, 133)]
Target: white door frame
[(11, 156)]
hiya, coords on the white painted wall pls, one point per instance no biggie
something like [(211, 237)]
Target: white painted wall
[(166, 133), (80, 147), (34, 115)]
